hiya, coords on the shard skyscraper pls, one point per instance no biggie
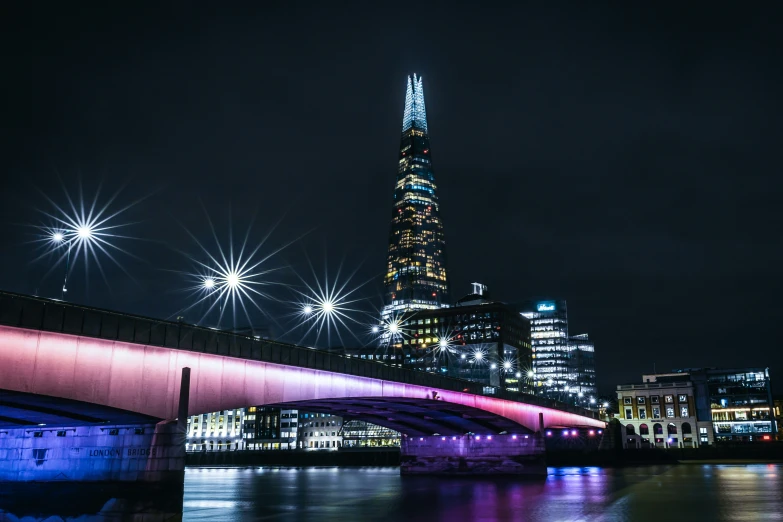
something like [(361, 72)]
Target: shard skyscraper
[(416, 276)]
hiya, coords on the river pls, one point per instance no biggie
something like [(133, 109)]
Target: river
[(657, 493), (688, 492)]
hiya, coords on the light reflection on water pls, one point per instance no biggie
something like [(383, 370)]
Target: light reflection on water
[(654, 493), (685, 492)]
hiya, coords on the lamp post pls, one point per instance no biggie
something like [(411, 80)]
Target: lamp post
[(58, 238)]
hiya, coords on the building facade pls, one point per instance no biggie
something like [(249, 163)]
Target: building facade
[(320, 431), (477, 339), (416, 275), (661, 414), (581, 358), (738, 400), (564, 365), (362, 434), (216, 431), (724, 405), (551, 347)]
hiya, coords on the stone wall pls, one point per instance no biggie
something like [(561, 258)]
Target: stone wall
[(123, 453), (473, 455)]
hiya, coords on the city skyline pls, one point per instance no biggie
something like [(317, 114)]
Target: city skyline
[(631, 178)]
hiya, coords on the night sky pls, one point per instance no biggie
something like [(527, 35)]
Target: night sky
[(626, 159)]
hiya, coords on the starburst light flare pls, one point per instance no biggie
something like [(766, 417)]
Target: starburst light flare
[(478, 356), (328, 306), (231, 279), (83, 230)]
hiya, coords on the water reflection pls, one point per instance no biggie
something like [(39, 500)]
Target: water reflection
[(685, 492)]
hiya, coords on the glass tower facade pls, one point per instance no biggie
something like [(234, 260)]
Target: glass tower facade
[(416, 266), (549, 335)]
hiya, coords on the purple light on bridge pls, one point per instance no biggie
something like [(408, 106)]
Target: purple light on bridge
[(145, 379), (514, 437), (489, 437)]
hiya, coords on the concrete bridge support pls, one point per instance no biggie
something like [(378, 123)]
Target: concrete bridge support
[(102, 453), (519, 455)]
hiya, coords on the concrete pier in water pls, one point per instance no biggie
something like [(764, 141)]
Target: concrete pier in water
[(520, 455)]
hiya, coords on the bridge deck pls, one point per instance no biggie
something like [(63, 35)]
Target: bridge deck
[(36, 313)]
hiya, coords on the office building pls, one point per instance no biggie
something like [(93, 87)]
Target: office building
[(738, 400), (320, 431), (551, 346), (416, 277), (267, 428), (477, 339), (216, 431), (564, 365), (581, 358)]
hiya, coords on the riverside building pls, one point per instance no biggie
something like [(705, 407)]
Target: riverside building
[(320, 431), (216, 431), (362, 434), (693, 407), (268, 428)]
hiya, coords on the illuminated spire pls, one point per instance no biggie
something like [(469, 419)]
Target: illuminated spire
[(415, 115)]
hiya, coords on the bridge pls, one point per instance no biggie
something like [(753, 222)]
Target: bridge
[(135, 364)]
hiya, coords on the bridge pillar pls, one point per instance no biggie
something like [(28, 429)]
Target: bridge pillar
[(520, 455), (127, 453)]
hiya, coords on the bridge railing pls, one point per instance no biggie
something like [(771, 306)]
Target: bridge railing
[(56, 316)]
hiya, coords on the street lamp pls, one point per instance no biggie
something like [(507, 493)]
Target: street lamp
[(58, 238)]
